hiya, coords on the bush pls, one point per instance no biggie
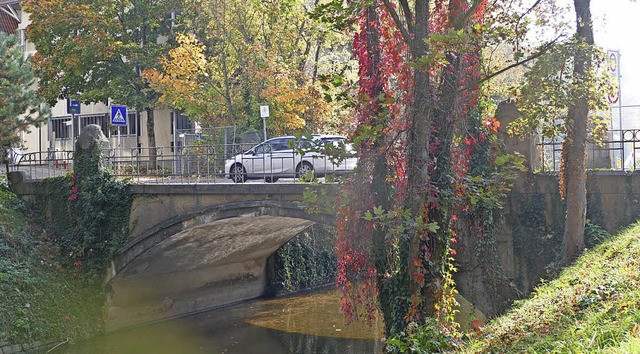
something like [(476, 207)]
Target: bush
[(427, 338)]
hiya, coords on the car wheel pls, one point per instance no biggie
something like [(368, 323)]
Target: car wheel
[(271, 179), (238, 173), (304, 168)]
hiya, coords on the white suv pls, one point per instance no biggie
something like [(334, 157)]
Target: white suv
[(286, 156)]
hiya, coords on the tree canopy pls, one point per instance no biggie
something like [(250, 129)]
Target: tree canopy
[(232, 56), (94, 51)]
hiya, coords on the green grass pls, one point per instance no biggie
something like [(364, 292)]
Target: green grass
[(592, 307), (39, 299)]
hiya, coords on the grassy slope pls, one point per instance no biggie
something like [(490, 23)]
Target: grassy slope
[(38, 299), (592, 307)]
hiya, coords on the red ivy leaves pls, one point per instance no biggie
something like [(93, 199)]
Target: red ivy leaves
[(385, 95), (73, 191)]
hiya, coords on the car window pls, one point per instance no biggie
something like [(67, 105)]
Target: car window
[(263, 149), (280, 144), (304, 144)]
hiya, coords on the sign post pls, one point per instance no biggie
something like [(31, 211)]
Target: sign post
[(118, 119), (614, 72), (264, 113), (73, 108)]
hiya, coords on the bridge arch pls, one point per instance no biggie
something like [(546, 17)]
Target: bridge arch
[(206, 257)]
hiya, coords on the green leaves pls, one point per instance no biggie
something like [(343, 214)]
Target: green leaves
[(16, 92), (399, 222), (95, 50), (551, 87)]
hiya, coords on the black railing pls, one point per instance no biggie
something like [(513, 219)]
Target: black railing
[(189, 164), (619, 151)]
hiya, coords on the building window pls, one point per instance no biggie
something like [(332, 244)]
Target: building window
[(99, 120), (61, 127), (182, 122), (133, 125)]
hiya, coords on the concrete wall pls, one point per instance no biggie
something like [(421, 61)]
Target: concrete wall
[(531, 235)]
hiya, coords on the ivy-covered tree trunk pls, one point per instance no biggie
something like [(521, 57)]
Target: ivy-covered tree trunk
[(392, 301), (574, 149), (419, 158)]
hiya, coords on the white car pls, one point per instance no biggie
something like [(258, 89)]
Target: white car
[(286, 156)]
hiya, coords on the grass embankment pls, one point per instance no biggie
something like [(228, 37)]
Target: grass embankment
[(39, 300), (592, 307)]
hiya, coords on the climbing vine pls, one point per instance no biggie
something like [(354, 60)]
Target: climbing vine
[(304, 262), (394, 229), (423, 118), (89, 212)]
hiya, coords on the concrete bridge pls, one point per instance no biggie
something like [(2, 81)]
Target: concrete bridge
[(198, 246)]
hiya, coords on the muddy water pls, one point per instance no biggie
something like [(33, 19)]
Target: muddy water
[(307, 323)]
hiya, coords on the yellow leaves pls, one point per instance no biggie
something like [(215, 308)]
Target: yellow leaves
[(295, 106), (187, 61)]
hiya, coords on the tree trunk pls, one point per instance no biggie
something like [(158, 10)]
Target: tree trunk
[(574, 150), (419, 161), (151, 134)]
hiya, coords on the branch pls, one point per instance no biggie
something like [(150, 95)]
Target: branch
[(522, 16), (462, 19), (396, 19), (542, 51), (527, 12), (408, 16)]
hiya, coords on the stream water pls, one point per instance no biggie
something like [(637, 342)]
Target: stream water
[(305, 323)]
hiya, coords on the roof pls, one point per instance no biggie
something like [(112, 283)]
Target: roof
[(8, 24)]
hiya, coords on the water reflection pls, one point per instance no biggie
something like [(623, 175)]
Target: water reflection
[(309, 323)]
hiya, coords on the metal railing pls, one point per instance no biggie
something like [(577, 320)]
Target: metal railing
[(182, 165), (619, 151)]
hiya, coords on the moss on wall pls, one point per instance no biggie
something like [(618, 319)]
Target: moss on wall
[(308, 260)]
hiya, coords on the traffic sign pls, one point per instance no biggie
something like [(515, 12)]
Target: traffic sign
[(264, 111), (73, 106), (118, 115)]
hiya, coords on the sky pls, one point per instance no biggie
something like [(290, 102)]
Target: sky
[(616, 28)]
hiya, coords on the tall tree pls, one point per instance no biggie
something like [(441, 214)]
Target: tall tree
[(574, 151), (419, 70), (563, 93), (20, 108), (95, 50), (421, 114)]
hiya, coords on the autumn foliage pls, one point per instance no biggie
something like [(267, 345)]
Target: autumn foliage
[(419, 93)]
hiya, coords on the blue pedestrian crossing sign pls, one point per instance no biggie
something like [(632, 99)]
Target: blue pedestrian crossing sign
[(118, 115)]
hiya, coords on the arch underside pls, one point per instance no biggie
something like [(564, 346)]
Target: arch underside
[(204, 261)]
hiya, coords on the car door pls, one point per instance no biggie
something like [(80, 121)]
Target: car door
[(329, 149), (256, 159), (282, 157)]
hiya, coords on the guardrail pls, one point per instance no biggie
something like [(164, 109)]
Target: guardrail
[(619, 151), (185, 164)]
